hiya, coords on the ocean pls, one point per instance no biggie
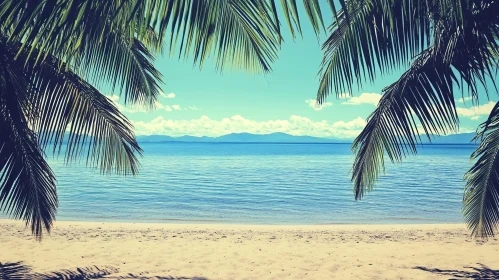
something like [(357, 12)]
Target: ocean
[(265, 184)]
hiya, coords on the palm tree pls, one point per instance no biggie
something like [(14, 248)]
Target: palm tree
[(57, 55), (446, 44)]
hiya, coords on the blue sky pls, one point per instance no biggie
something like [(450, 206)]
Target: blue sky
[(208, 103)]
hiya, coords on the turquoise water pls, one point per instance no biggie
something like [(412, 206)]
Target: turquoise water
[(265, 184)]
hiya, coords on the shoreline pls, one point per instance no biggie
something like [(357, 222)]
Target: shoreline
[(182, 222), (65, 224), (222, 222), (235, 251)]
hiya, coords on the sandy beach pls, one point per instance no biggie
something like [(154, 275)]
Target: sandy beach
[(195, 251)]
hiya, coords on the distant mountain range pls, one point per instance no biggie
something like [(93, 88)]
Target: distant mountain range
[(278, 137), (461, 138)]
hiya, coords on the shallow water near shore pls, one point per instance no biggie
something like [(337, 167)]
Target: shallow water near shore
[(265, 184)]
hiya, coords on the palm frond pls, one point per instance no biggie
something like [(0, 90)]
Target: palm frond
[(89, 41), (238, 33), (44, 104), (423, 97), (377, 36), (27, 184), (290, 10), (242, 34), (128, 66), (240, 28), (481, 195), (70, 111)]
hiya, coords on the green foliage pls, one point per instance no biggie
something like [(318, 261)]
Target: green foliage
[(481, 196), (27, 184), (56, 54), (40, 105), (448, 44)]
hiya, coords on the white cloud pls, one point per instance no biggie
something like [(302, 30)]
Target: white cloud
[(193, 108), (462, 100), (364, 98), (169, 95), (204, 126), (158, 106), (115, 99), (140, 109), (313, 104), (355, 124), (475, 112), (176, 107), (466, 130)]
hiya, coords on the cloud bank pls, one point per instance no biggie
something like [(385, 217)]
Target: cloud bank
[(475, 112), (204, 126)]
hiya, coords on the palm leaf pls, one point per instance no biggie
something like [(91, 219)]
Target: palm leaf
[(27, 184), (128, 66), (92, 38), (290, 10), (422, 97), (238, 33), (481, 195), (377, 36), (238, 26), (242, 34), (44, 104), (68, 109)]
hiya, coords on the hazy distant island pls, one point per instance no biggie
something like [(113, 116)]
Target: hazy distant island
[(279, 137)]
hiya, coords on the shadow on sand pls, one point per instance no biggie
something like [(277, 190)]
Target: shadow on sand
[(17, 270), (481, 272)]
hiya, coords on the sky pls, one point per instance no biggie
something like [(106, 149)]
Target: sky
[(204, 102)]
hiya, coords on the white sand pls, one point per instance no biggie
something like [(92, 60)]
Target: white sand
[(171, 251)]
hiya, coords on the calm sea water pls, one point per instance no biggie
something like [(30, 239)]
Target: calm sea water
[(265, 184)]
